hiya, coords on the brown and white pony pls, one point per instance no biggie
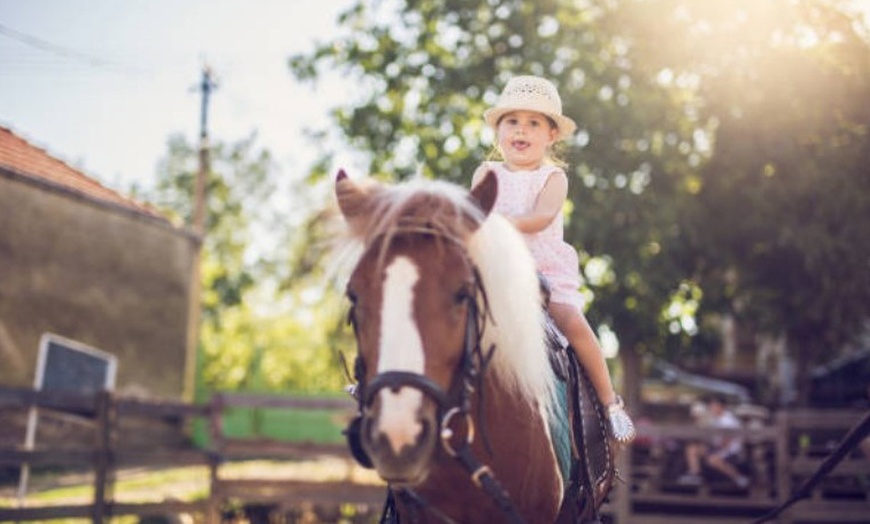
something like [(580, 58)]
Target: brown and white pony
[(455, 385)]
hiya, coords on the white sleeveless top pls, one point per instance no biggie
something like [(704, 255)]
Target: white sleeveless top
[(556, 259)]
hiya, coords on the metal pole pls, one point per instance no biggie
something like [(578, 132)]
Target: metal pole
[(29, 441)]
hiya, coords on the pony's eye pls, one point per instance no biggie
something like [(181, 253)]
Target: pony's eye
[(351, 313), (461, 295)]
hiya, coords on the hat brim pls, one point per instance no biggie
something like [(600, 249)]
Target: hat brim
[(565, 125)]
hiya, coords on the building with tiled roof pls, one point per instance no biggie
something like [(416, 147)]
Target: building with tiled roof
[(84, 262), (20, 158)]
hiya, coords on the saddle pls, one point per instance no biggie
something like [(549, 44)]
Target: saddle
[(593, 452)]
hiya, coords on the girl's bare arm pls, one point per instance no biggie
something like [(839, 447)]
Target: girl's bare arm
[(547, 206)]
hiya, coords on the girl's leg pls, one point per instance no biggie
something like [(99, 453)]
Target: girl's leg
[(578, 332), (574, 326)]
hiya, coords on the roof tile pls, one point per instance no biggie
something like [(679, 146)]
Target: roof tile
[(30, 161)]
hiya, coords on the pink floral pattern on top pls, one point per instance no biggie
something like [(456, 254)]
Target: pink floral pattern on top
[(556, 259)]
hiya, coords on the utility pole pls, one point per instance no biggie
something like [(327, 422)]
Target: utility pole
[(206, 86)]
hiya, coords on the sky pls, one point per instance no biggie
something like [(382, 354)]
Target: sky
[(102, 84)]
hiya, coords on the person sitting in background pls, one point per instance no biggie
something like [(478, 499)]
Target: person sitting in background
[(718, 451)]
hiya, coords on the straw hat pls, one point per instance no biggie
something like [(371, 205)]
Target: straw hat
[(531, 93)]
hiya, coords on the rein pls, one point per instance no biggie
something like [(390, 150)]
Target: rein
[(453, 406)]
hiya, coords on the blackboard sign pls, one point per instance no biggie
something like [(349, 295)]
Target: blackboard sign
[(65, 365), (68, 365)]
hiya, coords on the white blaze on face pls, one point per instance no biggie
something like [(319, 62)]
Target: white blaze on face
[(401, 350)]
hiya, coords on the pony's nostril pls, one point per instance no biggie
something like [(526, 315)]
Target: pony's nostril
[(425, 430)]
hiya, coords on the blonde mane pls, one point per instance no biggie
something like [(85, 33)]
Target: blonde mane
[(511, 282), (507, 270)]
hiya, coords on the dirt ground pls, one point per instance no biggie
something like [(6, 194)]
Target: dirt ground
[(344, 479)]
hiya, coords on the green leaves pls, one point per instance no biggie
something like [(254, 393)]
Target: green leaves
[(722, 146), (255, 335)]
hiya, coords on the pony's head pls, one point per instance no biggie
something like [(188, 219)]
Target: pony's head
[(439, 280)]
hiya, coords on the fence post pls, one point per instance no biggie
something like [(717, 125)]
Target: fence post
[(215, 497), (29, 440), (103, 456), (783, 464), (622, 509)]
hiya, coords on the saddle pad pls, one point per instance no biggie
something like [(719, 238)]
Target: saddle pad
[(560, 430)]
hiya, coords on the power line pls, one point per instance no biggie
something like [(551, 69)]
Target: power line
[(58, 50)]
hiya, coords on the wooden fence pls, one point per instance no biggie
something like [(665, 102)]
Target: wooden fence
[(778, 457), (107, 454)]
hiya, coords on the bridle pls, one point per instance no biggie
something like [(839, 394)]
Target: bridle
[(453, 406)]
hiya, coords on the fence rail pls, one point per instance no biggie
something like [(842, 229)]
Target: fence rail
[(106, 453), (778, 457)]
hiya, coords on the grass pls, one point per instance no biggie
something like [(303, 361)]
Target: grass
[(293, 425)]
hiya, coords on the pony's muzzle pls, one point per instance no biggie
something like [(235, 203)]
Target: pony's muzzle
[(400, 435)]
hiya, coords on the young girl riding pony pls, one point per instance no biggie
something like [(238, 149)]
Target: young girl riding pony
[(533, 186)]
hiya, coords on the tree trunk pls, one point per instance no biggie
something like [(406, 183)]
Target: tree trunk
[(631, 377)]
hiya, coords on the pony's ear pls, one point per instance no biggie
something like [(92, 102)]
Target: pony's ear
[(354, 198), (485, 192)]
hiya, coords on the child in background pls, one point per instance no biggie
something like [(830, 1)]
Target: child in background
[(718, 452), (532, 187)]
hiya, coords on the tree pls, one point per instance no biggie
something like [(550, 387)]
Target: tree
[(719, 166), (783, 206), (429, 68), (253, 336)]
